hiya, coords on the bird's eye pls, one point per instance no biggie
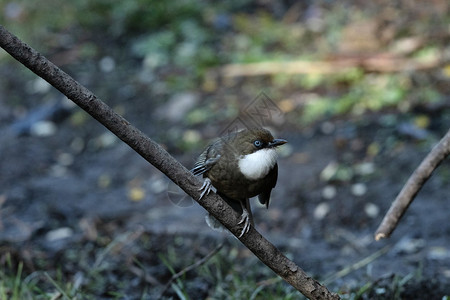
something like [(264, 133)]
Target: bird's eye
[(258, 144)]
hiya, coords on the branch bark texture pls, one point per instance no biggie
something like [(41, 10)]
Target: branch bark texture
[(412, 187), (162, 160)]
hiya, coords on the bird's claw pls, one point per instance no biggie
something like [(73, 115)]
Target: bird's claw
[(245, 219), (206, 188)]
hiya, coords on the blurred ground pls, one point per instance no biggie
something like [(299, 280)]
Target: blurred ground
[(79, 204)]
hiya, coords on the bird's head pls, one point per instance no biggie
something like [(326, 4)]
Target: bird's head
[(249, 141)]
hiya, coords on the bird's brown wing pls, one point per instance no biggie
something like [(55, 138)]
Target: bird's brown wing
[(264, 197), (207, 159), (200, 166)]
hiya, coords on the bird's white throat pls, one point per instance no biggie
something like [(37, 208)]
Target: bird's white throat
[(258, 164)]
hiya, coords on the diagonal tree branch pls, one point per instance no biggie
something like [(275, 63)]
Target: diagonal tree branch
[(162, 160), (412, 187)]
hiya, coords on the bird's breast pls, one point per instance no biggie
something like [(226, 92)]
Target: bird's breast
[(257, 164)]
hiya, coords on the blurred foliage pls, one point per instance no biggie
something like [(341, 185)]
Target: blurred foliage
[(178, 42), (370, 93)]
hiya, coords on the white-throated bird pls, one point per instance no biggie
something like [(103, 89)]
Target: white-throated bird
[(240, 166)]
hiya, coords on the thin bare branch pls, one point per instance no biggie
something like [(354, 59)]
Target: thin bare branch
[(412, 187), (161, 159)]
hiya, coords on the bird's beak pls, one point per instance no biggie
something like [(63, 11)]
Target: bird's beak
[(277, 142)]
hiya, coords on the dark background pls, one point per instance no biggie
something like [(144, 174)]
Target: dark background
[(81, 213)]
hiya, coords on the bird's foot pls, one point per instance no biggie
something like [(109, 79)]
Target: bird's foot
[(245, 219), (206, 188)]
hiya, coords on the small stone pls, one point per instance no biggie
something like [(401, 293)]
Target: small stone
[(359, 189), (58, 234), (43, 128), (77, 144), (321, 210), (65, 159), (107, 64), (40, 86), (371, 210), (438, 253), (107, 139), (409, 245), (158, 185), (329, 171), (329, 192), (327, 128), (58, 170), (364, 169)]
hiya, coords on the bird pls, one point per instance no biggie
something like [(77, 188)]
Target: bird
[(240, 166)]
